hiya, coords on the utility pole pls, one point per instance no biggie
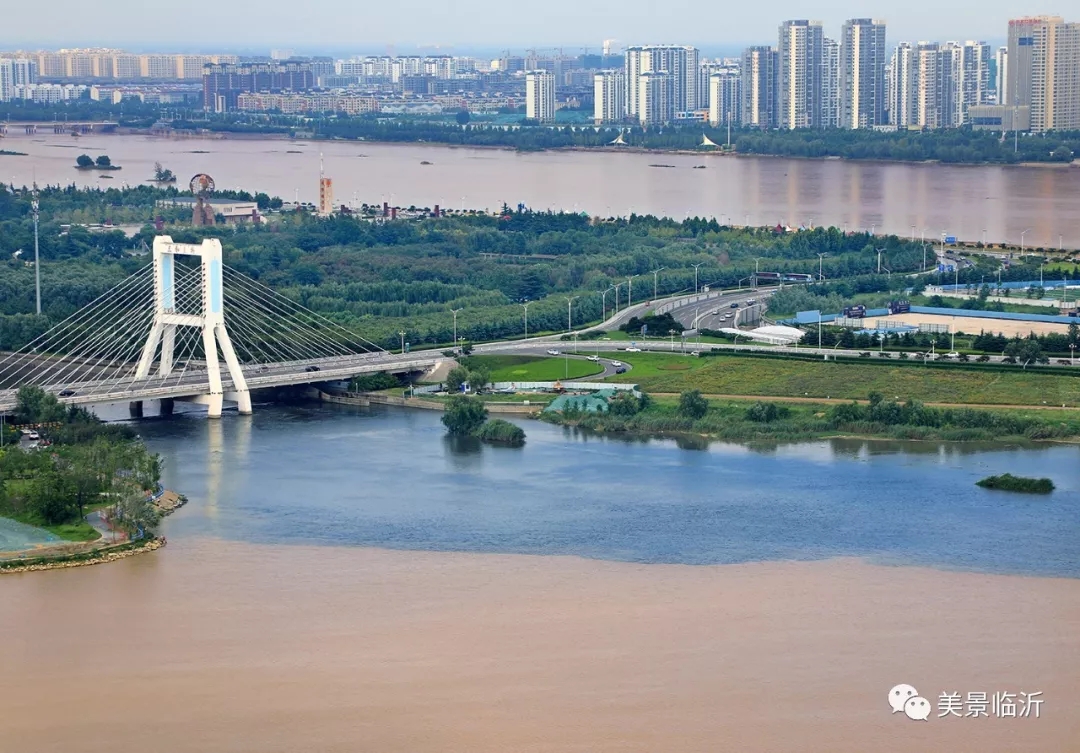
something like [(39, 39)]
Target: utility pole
[(569, 303), (34, 208), (630, 291), (603, 303), (820, 266), (655, 274), (402, 335), (526, 307), (695, 266), (617, 296)]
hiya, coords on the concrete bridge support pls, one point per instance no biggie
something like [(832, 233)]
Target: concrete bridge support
[(211, 321), (135, 409)]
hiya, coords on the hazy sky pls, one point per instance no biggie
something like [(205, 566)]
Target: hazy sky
[(472, 25)]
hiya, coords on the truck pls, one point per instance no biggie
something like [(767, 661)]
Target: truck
[(899, 307), (858, 311)]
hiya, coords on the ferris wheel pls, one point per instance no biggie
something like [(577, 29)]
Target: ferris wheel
[(202, 185)]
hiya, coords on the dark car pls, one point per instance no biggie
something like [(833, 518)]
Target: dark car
[(311, 368), (735, 305), (67, 393), (620, 370)]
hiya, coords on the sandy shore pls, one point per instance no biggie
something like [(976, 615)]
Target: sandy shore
[(213, 646)]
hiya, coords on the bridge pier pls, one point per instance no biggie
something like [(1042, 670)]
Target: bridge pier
[(135, 409), (167, 405)]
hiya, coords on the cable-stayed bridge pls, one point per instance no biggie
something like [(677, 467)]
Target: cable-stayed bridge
[(188, 327)]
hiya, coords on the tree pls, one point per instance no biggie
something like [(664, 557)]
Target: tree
[(462, 117), (103, 161), (464, 415), (162, 175), (624, 404), (262, 200), (455, 378), (1074, 333), (36, 406), (479, 377), (764, 413), (84, 160), (692, 405), (1023, 351)]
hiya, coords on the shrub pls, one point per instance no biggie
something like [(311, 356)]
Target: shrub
[(764, 413), (464, 415), (692, 405), (498, 431)]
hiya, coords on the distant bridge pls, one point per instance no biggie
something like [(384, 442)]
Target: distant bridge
[(59, 126)]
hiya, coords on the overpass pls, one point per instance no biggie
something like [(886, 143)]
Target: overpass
[(59, 126)]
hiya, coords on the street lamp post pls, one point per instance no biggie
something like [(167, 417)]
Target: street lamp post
[(695, 266), (756, 269), (455, 313), (1022, 240), (655, 277), (603, 302), (402, 336), (617, 296), (569, 302), (820, 266), (34, 207), (526, 307), (630, 291)]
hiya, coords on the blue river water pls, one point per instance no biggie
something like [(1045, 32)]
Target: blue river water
[(390, 478)]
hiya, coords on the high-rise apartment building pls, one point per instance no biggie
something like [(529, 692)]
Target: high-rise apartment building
[(972, 74), (725, 96), (681, 63), (1020, 48), (540, 96), (903, 86), (760, 78), (831, 89), (1002, 59), (862, 73), (224, 82), (7, 80), (609, 97), (656, 105), (801, 56), (931, 85), (1055, 75)]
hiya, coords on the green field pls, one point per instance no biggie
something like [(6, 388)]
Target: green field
[(534, 368), (735, 375)]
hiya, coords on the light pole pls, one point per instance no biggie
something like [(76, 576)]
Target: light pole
[(455, 313), (756, 260), (695, 266), (402, 335), (655, 277), (1022, 240), (34, 207), (924, 256), (820, 265), (569, 302), (617, 296), (603, 302), (526, 307), (819, 331), (1072, 356), (630, 291)]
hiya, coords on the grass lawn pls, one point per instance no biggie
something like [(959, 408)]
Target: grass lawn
[(734, 375), (534, 368)]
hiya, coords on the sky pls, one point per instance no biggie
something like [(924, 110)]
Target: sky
[(475, 26)]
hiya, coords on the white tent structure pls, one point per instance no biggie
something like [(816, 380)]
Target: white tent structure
[(618, 140), (706, 141)]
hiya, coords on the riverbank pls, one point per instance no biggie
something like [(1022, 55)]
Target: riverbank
[(98, 556), (437, 651), (109, 547)]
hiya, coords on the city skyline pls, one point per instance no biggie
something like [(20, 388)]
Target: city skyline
[(465, 27)]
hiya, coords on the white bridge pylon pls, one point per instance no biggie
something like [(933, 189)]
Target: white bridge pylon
[(161, 342)]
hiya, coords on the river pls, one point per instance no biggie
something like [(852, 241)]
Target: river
[(994, 203), (347, 579)]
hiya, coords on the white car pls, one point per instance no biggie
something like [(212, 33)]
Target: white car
[(552, 352), (695, 353), (616, 364), (593, 358), (632, 349)]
